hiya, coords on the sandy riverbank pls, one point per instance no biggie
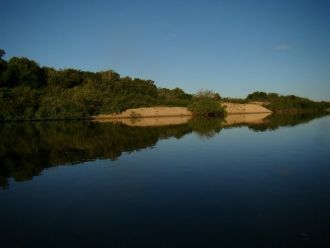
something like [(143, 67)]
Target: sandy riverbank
[(245, 108), (231, 108), (162, 116)]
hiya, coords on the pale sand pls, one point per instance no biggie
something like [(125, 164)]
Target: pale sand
[(260, 103), (246, 108), (160, 116), (231, 108)]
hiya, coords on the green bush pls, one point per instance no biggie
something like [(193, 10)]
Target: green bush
[(134, 115), (206, 107)]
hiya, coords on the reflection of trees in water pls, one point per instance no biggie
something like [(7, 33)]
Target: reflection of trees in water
[(206, 127), (276, 121), (28, 148)]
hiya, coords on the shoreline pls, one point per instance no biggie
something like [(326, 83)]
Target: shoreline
[(94, 118), (162, 116), (234, 109), (228, 120), (163, 111), (110, 117)]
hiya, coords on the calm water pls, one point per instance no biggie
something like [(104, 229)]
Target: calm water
[(200, 184)]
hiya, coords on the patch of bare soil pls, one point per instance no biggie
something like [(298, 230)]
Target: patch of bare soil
[(245, 108)]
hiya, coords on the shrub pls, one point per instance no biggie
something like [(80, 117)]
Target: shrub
[(134, 115), (206, 107)]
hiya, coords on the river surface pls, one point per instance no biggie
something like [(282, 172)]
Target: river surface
[(204, 183)]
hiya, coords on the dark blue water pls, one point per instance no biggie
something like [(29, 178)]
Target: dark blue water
[(177, 187)]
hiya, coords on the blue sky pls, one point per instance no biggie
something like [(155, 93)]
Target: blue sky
[(233, 47)]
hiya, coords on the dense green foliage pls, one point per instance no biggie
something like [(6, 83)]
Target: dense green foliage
[(31, 92), (291, 103), (234, 100), (28, 91), (206, 103), (205, 106)]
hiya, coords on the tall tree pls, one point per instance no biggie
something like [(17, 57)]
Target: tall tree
[(3, 65), (2, 53), (22, 71)]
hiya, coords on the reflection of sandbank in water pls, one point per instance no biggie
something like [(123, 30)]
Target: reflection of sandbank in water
[(150, 121), (234, 119), (237, 119)]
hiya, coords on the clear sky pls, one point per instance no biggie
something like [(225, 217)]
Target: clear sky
[(233, 47)]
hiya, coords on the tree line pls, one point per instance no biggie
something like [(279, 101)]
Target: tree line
[(290, 103), (31, 92)]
